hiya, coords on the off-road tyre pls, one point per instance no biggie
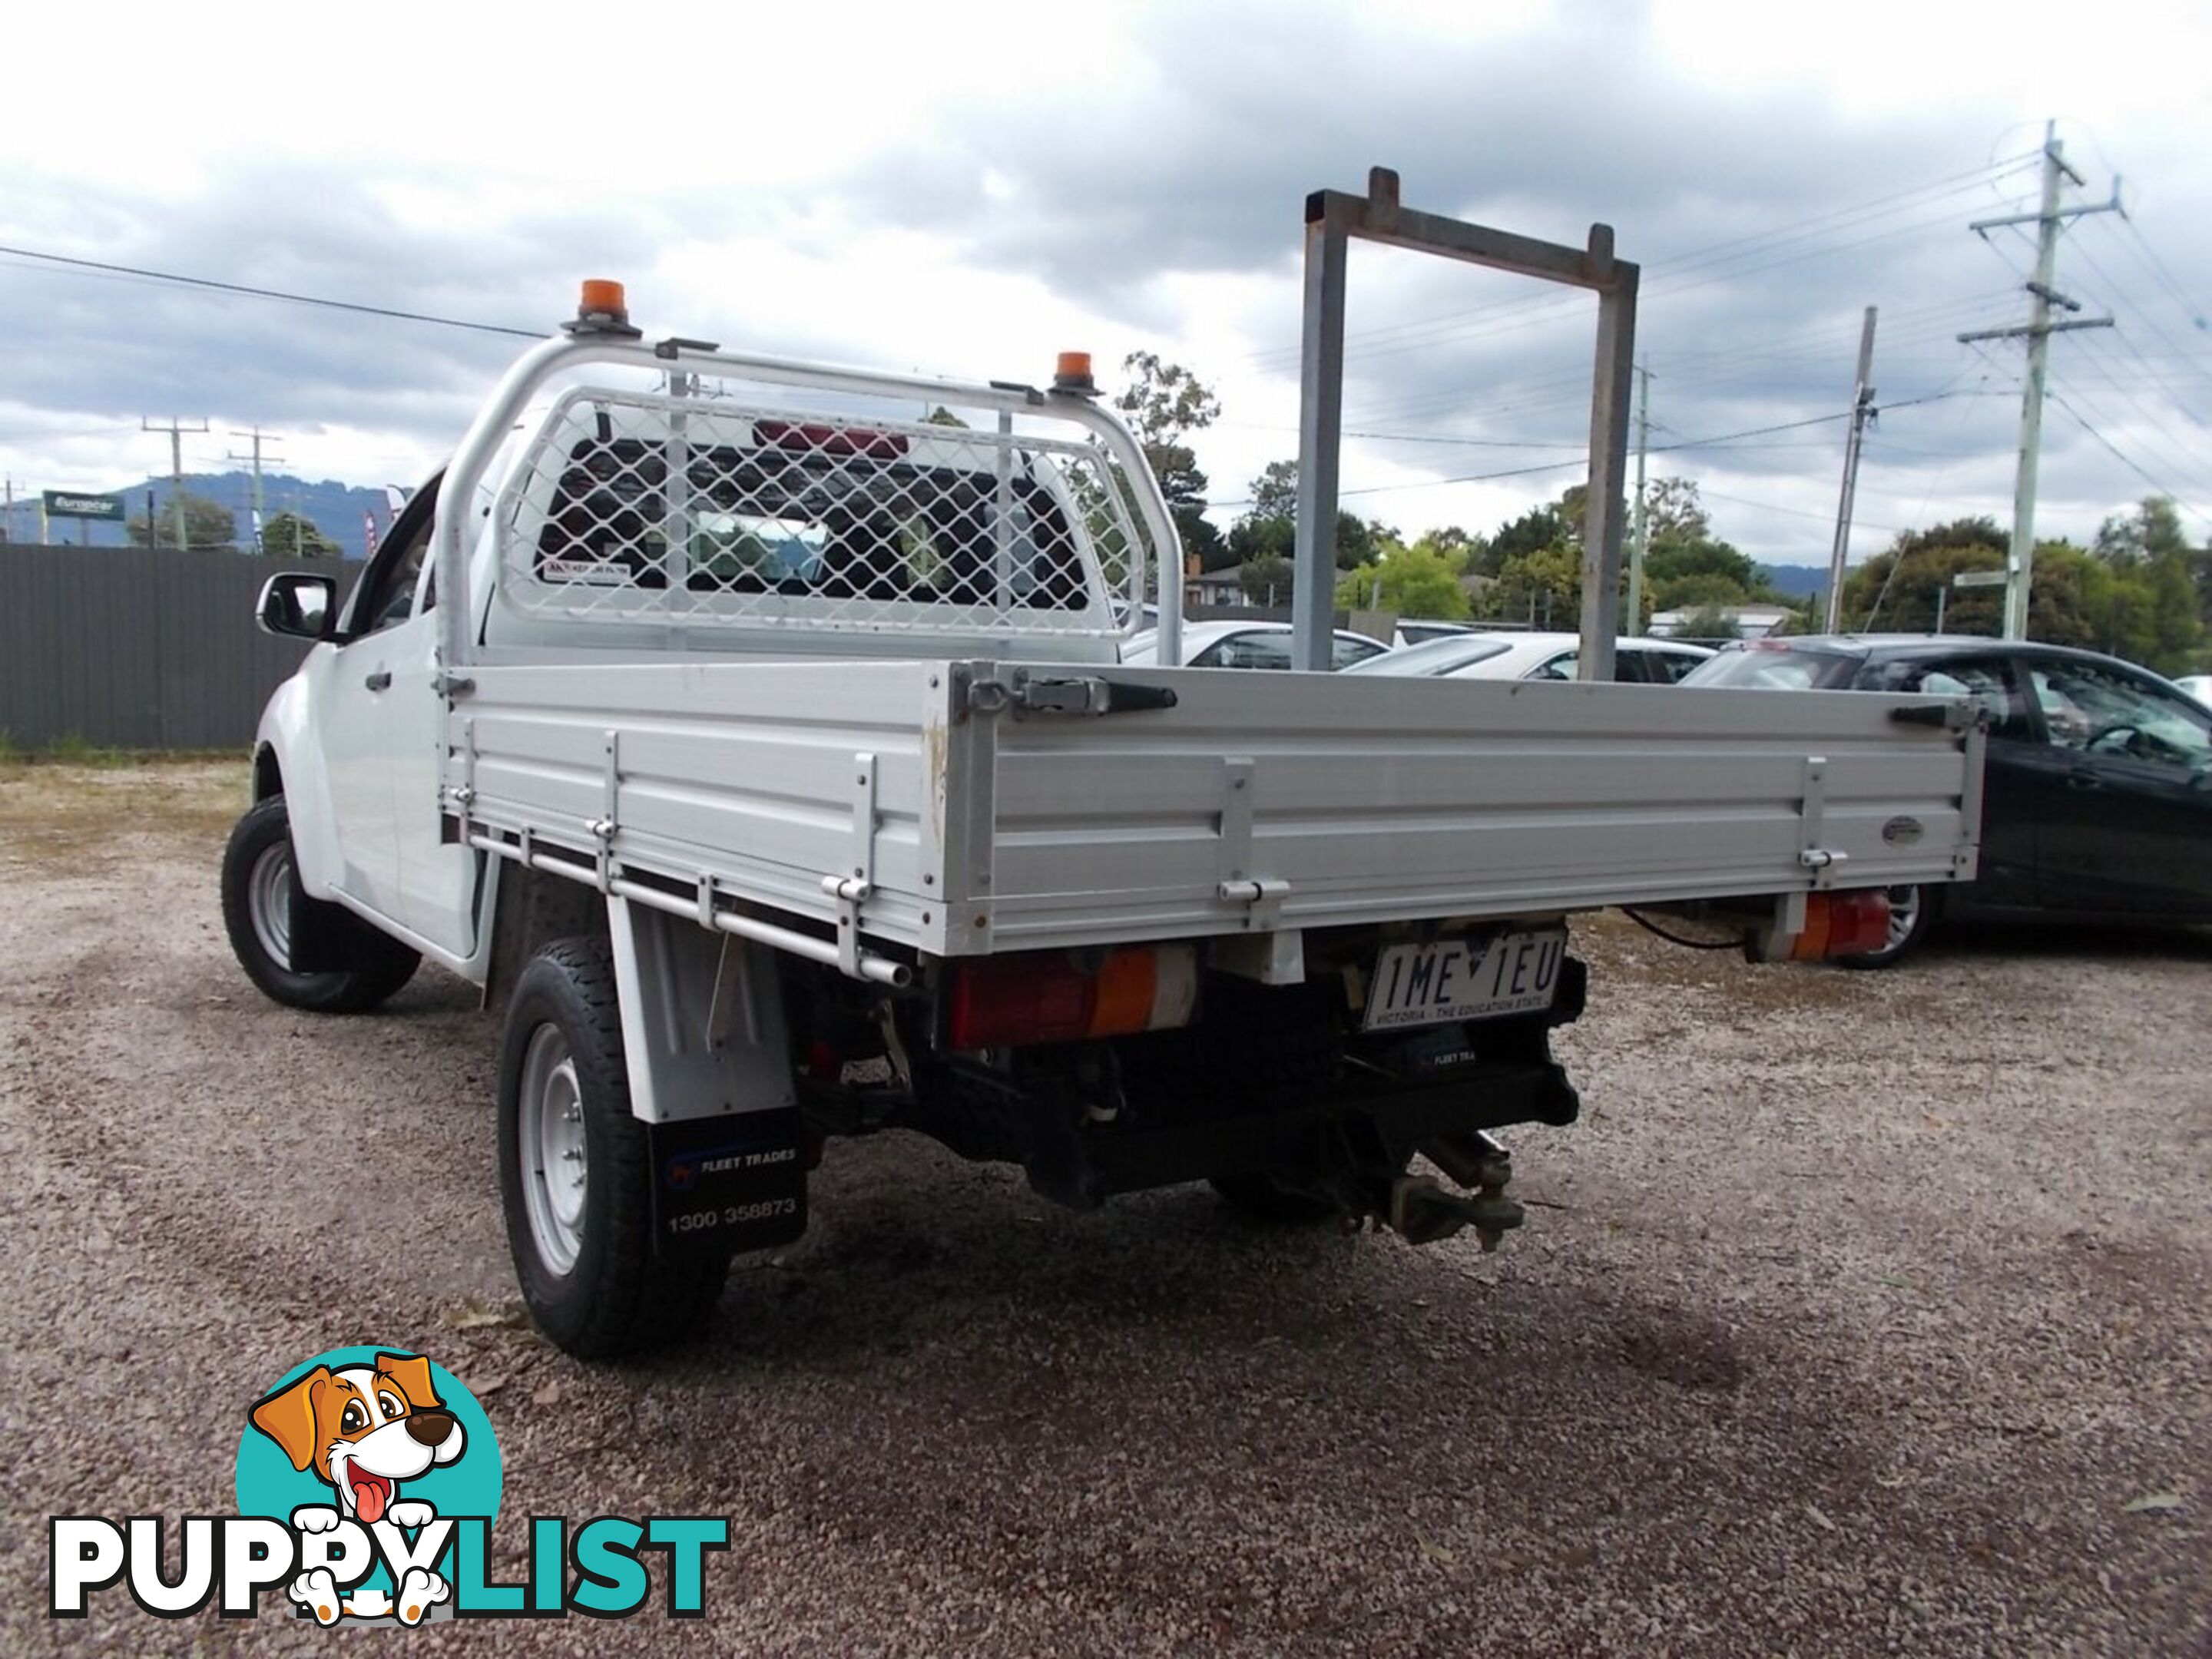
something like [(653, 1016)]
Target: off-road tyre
[(616, 1296), (258, 892)]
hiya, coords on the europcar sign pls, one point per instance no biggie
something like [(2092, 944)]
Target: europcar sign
[(67, 504)]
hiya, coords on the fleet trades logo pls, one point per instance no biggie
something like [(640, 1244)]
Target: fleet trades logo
[(367, 1483)]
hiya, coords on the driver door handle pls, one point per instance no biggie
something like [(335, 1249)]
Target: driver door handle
[(378, 680), (2074, 779)]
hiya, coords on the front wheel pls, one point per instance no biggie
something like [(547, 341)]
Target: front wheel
[(575, 1168), (1911, 913), (261, 901)]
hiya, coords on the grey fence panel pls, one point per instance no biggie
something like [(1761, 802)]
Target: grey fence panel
[(137, 648)]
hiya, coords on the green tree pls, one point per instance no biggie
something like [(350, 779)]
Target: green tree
[(1269, 526), (2177, 624), (1175, 466), (1165, 402), (1454, 546), (206, 526), (1202, 540), (1538, 530), (1361, 541), (941, 415), (1679, 573), (1253, 538), (288, 536), (1269, 579), (1413, 582), (2121, 598), (1275, 492), (1897, 589), (2151, 531), (1673, 513), (2073, 599), (2162, 590), (1543, 585)]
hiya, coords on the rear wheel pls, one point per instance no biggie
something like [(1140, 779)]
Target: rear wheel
[(1911, 913), (262, 906), (575, 1168)]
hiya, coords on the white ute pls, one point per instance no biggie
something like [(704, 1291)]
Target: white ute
[(754, 732)]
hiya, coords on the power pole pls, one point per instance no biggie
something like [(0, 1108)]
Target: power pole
[(1635, 622), (176, 429), (1861, 412), (2049, 219), (259, 437)]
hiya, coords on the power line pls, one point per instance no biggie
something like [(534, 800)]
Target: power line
[(2116, 293), (1582, 459), (1921, 326), (1720, 253), (2162, 276), (1794, 512), (2150, 426), (241, 289), (1562, 307), (63, 436), (2126, 460), (2108, 421), (1410, 437)]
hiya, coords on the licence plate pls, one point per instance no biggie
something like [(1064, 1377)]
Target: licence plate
[(1466, 978)]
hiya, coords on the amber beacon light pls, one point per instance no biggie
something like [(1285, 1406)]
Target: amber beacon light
[(602, 307), (1071, 372)]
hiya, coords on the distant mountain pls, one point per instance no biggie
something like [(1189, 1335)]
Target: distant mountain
[(1798, 581), (332, 508)]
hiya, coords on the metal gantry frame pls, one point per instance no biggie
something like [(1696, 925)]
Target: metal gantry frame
[(1332, 219)]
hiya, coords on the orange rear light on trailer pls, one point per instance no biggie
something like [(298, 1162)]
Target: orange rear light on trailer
[(1013, 1002), (1843, 925)]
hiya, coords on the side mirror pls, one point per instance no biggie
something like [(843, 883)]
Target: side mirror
[(296, 603)]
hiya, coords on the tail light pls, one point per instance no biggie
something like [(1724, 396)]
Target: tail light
[(1843, 925), (1011, 1002)]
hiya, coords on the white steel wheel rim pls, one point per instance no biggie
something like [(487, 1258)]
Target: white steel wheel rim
[(269, 903), (1905, 904), (556, 1161)]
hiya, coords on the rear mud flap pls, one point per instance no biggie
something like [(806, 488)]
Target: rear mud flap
[(721, 1185)]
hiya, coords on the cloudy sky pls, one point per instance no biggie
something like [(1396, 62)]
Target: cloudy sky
[(965, 190)]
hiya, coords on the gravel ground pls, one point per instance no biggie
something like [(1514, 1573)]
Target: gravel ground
[(1858, 1310)]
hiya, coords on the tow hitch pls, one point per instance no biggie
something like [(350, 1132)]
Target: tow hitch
[(1423, 1210)]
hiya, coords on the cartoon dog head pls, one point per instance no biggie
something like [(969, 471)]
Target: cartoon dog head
[(363, 1428)]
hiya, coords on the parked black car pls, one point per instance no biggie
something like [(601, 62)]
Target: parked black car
[(2097, 806)]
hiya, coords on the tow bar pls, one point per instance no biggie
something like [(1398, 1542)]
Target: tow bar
[(1423, 1210)]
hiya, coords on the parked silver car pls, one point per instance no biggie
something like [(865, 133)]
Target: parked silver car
[(1533, 657)]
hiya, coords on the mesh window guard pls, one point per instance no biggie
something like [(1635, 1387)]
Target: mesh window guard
[(638, 507)]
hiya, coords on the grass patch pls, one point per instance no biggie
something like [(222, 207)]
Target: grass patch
[(71, 750), (61, 816)]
